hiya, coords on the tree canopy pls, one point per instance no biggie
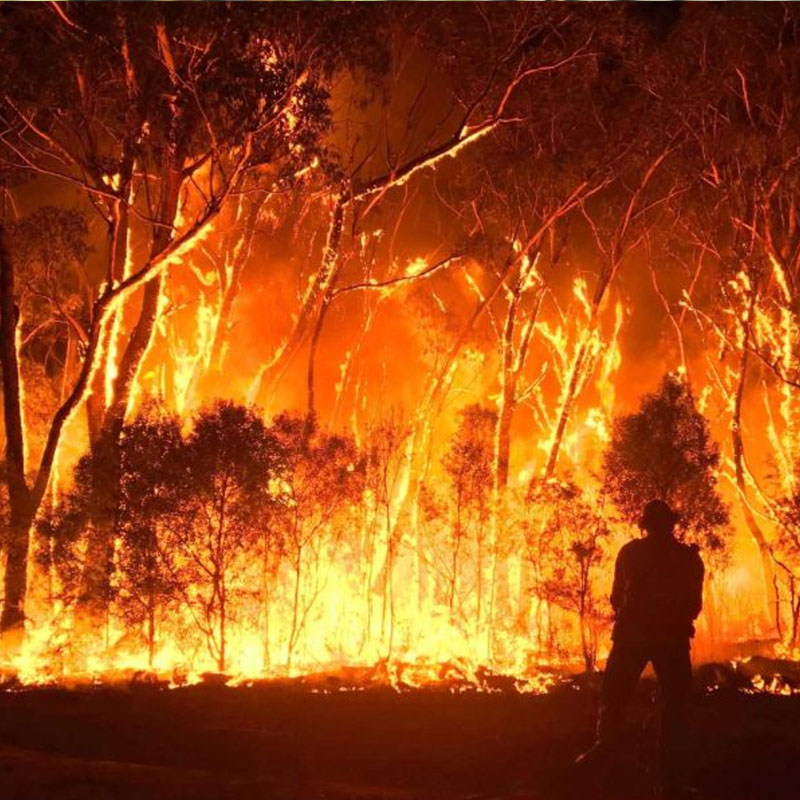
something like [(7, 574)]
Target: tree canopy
[(665, 451)]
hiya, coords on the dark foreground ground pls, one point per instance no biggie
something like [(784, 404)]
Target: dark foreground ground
[(285, 743)]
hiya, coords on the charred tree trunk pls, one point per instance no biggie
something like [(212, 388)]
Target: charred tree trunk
[(223, 625), (500, 602), (369, 555), (298, 566), (117, 264), (512, 367), (387, 610), (151, 628), (513, 360), (479, 577), (12, 619), (266, 589), (312, 356), (587, 644), (458, 534), (21, 501)]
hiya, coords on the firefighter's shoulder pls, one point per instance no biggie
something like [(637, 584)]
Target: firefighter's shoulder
[(692, 550), (631, 546), (629, 551)]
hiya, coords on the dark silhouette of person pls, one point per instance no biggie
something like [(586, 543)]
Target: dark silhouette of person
[(656, 597)]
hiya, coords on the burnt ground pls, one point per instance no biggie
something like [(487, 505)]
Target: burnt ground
[(286, 743)]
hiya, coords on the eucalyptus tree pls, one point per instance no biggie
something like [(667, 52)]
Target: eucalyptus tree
[(739, 225), (156, 116), (665, 451), (226, 504)]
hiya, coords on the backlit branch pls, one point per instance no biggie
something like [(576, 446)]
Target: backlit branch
[(108, 303), (391, 282)]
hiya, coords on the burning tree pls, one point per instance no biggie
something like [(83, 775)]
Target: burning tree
[(189, 513), (665, 451), (227, 500), (566, 542), (786, 554), (468, 464), (733, 233), (151, 481), (479, 212), (144, 505), (51, 249), (323, 478), (157, 118), (476, 107), (384, 456)]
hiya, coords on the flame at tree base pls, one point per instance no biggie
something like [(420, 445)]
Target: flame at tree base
[(70, 659)]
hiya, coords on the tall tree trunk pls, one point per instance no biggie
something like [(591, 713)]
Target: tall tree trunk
[(500, 603), (579, 365), (767, 565), (311, 411), (22, 503), (96, 577), (266, 590), (232, 283), (151, 629), (512, 367), (567, 403), (458, 533), (323, 280), (293, 632), (223, 626)]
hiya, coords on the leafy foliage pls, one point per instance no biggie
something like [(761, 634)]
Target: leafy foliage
[(188, 513), (150, 477), (468, 462), (322, 482), (665, 451), (566, 540), (229, 461)]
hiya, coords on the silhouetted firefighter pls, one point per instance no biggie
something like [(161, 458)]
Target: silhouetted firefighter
[(657, 595)]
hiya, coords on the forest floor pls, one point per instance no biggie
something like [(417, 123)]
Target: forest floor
[(287, 743)]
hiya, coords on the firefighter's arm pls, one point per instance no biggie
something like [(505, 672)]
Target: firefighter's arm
[(698, 571), (618, 589)]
